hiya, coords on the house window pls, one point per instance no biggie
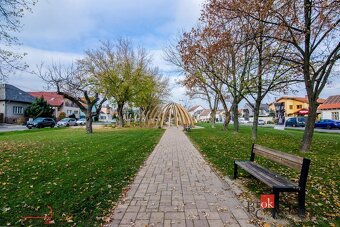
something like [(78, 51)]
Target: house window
[(290, 107), (18, 110), (299, 106), (335, 115), (69, 112), (76, 112)]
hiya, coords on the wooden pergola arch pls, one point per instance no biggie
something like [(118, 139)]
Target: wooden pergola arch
[(170, 111)]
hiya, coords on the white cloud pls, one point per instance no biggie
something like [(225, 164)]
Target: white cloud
[(75, 22), (30, 82), (185, 16)]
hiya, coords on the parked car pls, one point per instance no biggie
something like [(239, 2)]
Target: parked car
[(327, 123), (261, 122), (296, 122), (67, 122), (41, 122), (81, 121), (242, 121)]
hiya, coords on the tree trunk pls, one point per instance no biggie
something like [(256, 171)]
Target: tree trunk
[(141, 114), (256, 120), (89, 121), (226, 120), (235, 116), (226, 113), (120, 114), (213, 118), (309, 129)]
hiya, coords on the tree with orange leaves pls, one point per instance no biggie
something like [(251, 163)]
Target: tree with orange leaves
[(310, 29)]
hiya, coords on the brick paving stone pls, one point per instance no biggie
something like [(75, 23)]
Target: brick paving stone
[(176, 187)]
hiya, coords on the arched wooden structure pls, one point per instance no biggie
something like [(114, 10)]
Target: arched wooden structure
[(168, 112)]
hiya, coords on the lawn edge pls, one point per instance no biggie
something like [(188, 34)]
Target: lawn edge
[(108, 218)]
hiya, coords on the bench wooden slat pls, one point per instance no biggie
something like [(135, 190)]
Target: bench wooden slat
[(289, 160), (276, 182), (269, 178)]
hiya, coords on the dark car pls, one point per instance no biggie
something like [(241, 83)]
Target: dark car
[(327, 123), (296, 122), (41, 122)]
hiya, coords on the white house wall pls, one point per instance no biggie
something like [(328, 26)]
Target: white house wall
[(7, 109), (327, 114), (105, 117), (70, 110), (2, 107), (266, 119)]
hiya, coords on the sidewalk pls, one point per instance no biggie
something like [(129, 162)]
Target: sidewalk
[(11, 127), (176, 187)]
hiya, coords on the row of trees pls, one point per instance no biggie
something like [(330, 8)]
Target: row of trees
[(245, 50), (116, 71)]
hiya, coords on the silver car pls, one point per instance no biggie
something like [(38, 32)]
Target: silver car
[(67, 122), (261, 122), (81, 121)]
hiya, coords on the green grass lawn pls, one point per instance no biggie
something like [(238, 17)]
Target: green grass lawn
[(322, 201), (80, 176)]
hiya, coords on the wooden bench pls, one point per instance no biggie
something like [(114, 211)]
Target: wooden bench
[(276, 182)]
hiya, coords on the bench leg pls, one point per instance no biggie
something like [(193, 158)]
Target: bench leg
[(301, 201), (235, 170), (276, 203)]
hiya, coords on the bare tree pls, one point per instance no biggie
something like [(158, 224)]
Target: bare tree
[(77, 86), (198, 90), (194, 63), (310, 28), (11, 11), (251, 60)]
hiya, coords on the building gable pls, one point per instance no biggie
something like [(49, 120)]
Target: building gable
[(11, 93), (332, 102)]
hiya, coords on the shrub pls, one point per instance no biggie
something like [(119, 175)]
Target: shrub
[(39, 108), (61, 116)]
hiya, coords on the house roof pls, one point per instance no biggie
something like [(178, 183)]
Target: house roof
[(262, 106), (11, 93), (332, 102), (51, 98), (299, 99), (205, 112), (192, 109)]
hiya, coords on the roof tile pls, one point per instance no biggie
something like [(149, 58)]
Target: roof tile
[(51, 98)]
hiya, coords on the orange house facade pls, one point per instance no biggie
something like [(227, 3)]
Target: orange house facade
[(293, 106)]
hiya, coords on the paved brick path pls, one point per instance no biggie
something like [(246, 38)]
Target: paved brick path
[(176, 187)]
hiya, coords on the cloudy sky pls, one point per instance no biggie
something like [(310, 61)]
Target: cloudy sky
[(60, 31)]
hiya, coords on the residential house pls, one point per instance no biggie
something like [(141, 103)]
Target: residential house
[(293, 106), (59, 103), (220, 116), (13, 103), (195, 111), (248, 112), (204, 115), (330, 108), (106, 113)]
